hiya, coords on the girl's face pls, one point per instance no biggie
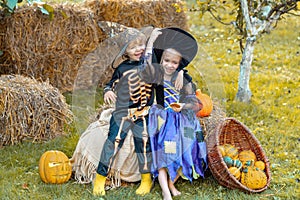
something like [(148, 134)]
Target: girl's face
[(136, 49), (170, 61)]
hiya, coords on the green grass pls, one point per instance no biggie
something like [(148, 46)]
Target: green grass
[(273, 116)]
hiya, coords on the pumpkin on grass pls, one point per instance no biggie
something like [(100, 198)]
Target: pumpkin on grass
[(206, 102), (55, 167)]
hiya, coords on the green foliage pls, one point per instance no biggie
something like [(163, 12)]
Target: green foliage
[(9, 6)]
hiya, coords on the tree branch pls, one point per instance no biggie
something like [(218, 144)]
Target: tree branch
[(245, 11), (212, 14), (283, 8)]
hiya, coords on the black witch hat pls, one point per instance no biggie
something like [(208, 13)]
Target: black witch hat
[(177, 39)]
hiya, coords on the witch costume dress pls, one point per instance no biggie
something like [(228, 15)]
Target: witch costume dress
[(176, 138)]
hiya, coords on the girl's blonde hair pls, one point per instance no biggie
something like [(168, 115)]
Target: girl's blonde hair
[(172, 51)]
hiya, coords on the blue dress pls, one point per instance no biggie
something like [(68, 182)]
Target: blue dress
[(174, 139)]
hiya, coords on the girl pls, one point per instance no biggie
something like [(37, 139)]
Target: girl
[(175, 133)]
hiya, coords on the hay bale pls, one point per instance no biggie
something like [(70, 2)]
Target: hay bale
[(95, 69), (210, 122), (139, 13), (47, 49), (30, 110), (53, 50)]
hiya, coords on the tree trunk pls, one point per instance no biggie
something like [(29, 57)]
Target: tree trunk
[(244, 92)]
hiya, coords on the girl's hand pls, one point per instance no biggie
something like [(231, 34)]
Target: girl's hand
[(177, 107), (110, 97), (179, 81), (155, 33)]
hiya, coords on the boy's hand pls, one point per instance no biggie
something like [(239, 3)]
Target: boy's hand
[(179, 81), (110, 97)]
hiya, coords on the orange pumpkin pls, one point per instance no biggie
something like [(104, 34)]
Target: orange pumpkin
[(206, 102), (55, 167)]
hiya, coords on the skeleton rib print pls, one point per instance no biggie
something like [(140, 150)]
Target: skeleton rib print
[(139, 90)]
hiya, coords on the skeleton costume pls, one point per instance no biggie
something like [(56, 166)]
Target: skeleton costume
[(176, 137), (134, 98)]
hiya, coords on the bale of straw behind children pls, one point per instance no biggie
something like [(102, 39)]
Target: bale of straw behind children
[(33, 45)]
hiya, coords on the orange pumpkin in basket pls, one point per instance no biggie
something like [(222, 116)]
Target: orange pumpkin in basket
[(206, 102), (55, 167)]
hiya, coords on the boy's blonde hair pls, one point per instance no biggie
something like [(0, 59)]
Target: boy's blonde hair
[(128, 36)]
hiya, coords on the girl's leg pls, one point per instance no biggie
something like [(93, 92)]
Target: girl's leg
[(163, 182), (172, 188)]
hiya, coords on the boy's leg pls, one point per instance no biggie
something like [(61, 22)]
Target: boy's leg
[(99, 185), (143, 151), (107, 154)]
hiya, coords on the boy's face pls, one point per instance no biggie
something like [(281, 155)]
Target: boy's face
[(170, 61), (136, 49)]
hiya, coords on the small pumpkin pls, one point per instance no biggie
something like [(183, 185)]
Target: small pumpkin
[(231, 151), (222, 150), (247, 155), (207, 104), (260, 165), (237, 163), (235, 172), (55, 167), (228, 161), (232, 163), (253, 178)]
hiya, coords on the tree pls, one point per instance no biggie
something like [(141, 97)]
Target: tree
[(251, 19)]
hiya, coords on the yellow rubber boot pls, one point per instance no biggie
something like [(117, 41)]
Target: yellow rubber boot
[(99, 184), (146, 184)]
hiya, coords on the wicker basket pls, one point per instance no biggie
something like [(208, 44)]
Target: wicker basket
[(231, 131)]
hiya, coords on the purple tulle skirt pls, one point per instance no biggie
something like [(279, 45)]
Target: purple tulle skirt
[(174, 143)]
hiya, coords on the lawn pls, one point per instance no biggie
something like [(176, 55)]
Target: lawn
[(272, 116)]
